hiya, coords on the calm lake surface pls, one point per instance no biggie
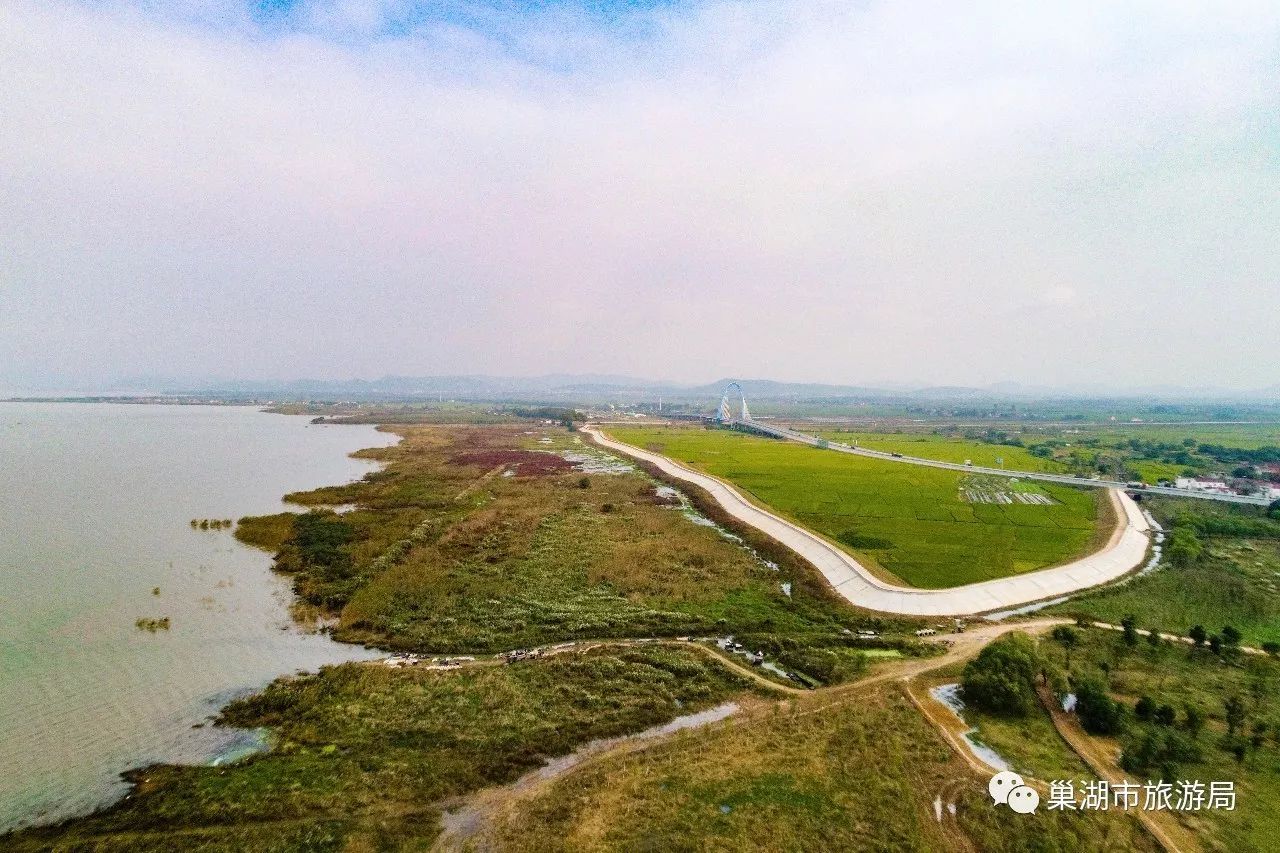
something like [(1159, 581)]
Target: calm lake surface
[(95, 509)]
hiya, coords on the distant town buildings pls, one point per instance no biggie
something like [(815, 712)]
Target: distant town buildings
[(1220, 487), (1204, 484)]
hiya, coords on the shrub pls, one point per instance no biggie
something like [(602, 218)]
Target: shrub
[(1130, 625), (1148, 748), (1183, 547), (1001, 679), (1098, 712)]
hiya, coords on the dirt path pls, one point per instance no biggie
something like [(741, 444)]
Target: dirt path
[(1174, 638), (951, 727), (1098, 755), (480, 481), (468, 817)]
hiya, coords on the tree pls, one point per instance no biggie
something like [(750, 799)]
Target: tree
[(1234, 708), (1260, 729), (1231, 636), (1182, 548), (1067, 637), (1001, 679), (1165, 715), (1153, 638), (1215, 644), (1098, 712), (1193, 720), (1145, 708), (1271, 647), (1161, 748), (1130, 625), (1198, 635)]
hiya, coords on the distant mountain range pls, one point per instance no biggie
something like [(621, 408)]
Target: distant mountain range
[(604, 388), (620, 388)]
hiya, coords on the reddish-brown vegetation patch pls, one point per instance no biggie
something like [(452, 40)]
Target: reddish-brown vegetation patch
[(526, 463)]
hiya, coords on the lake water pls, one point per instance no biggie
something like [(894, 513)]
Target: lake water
[(95, 510)]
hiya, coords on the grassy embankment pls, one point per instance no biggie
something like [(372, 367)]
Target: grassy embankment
[(1229, 575), (859, 774), (910, 522)]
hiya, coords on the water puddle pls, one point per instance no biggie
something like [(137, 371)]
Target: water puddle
[(1025, 609), (949, 695), (676, 499), (589, 460), (465, 821)]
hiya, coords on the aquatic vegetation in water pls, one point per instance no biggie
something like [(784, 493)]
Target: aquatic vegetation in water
[(152, 625), (211, 523)]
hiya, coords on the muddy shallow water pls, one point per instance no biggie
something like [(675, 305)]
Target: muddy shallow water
[(95, 534)]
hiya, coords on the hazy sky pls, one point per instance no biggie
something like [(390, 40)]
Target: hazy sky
[(933, 192)]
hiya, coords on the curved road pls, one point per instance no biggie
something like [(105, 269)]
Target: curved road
[(1124, 553)]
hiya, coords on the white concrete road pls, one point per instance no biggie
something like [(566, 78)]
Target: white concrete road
[(1125, 552)]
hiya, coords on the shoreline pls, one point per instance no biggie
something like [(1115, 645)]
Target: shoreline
[(217, 591)]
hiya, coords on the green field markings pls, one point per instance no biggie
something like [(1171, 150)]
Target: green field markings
[(934, 538)]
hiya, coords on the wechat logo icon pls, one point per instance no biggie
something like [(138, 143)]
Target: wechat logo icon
[(1008, 788)]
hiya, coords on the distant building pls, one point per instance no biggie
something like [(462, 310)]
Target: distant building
[(1203, 484)]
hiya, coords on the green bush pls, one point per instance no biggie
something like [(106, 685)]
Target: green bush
[(1001, 679), (1098, 712)]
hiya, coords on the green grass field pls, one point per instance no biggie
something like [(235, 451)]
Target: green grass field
[(908, 521), (1245, 436), (1234, 583), (1107, 449), (945, 448)]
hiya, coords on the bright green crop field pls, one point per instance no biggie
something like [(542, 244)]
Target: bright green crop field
[(946, 448), (910, 522)]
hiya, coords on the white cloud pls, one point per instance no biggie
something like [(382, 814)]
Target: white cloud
[(867, 192)]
